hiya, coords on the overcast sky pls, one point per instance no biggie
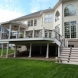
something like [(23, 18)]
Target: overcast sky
[(10, 9)]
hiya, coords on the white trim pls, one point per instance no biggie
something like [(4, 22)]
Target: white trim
[(15, 51), (7, 50), (18, 32), (9, 31), (30, 49), (47, 51), (27, 39), (33, 32), (1, 32), (24, 34)]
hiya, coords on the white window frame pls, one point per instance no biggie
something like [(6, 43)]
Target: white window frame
[(35, 22), (30, 24), (70, 30), (48, 18)]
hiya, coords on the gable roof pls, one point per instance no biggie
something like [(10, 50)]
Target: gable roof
[(27, 16), (38, 13)]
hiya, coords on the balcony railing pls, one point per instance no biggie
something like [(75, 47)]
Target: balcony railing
[(41, 33)]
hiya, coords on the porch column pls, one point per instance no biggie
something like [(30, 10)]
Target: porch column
[(2, 50), (7, 50), (30, 49), (43, 32), (53, 34), (15, 51), (48, 34), (9, 31), (58, 51), (1, 32), (19, 31), (16, 34), (24, 33), (40, 49), (33, 32), (47, 51)]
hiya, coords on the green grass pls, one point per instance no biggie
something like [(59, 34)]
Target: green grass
[(19, 68), (4, 51)]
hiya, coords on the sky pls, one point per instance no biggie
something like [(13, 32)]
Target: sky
[(11, 9)]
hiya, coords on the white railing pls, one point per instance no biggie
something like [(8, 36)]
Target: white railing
[(40, 33)]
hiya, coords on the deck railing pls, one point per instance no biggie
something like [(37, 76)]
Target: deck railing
[(41, 33)]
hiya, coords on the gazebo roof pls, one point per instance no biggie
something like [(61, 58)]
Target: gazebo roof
[(14, 25)]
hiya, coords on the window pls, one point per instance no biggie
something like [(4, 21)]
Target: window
[(35, 22), (32, 22), (29, 23), (46, 35), (69, 10), (48, 18), (70, 29), (57, 16)]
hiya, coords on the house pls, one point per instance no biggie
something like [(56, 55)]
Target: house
[(51, 32)]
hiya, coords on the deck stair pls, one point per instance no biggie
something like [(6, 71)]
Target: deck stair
[(69, 56)]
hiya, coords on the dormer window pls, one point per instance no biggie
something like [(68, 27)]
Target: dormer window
[(48, 18)]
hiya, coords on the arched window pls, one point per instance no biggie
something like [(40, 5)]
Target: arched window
[(57, 16), (69, 10)]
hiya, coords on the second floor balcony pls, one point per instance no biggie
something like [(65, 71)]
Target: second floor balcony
[(20, 31)]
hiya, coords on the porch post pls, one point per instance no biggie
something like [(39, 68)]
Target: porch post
[(33, 32), (19, 31), (24, 34), (53, 34), (16, 34), (40, 49), (43, 32), (7, 50), (2, 51), (30, 49), (47, 51), (9, 31), (1, 32), (58, 51), (48, 33), (15, 51)]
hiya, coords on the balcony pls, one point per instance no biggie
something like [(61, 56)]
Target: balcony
[(40, 33), (20, 32)]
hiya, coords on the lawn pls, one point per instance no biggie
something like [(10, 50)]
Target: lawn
[(22, 68), (4, 51)]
